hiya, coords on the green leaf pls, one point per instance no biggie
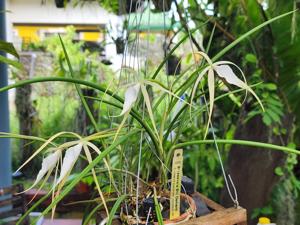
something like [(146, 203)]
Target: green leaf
[(274, 101), (114, 209), (273, 116), (276, 109), (8, 48), (251, 58), (270, 86), (268, 210), (267, 120), (158, 210), (8, 61), (278, 171), (211, 163)]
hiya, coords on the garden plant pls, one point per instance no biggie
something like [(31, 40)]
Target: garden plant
[(130, 163)]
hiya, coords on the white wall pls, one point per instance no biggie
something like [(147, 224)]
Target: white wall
[(33, 11)]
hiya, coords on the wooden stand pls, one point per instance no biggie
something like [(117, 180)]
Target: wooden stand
[(220, 215)]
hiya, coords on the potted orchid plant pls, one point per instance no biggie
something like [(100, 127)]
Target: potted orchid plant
[(132, 160)]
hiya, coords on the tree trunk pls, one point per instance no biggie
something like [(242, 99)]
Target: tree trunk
[(84, 124), (252, 169), (26, 114)]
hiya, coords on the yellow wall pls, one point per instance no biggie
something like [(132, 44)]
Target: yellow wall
[(28, 34), (91, 36), (31, 33)]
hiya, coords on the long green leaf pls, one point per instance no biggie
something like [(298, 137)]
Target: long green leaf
[(158, 210), (8, 48), (11, 62), (115, 208), (87, 219)]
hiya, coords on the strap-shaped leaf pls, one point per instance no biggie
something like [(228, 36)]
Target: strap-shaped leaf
[(11, 62), (8, 48)]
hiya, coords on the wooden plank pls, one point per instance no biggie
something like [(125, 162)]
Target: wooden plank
[(228, 216)]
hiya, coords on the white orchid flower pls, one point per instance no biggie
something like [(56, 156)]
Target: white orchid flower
[(52, 161), (70, 158), (131, 96), (223, 70), (48, 164)]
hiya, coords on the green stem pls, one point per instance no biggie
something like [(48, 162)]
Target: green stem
[(239, 142)]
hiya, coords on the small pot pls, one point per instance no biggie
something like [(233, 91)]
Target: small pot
[(133, 5), (187, 215), (162, 5), (82, 188), (173, 65), (120, 45), (60, 3)]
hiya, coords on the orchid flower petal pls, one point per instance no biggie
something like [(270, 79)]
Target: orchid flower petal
[(69, 160), (131, 96), (48, 164), (227, 73)]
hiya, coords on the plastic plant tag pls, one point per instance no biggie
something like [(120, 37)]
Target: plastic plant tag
[(176, 184)]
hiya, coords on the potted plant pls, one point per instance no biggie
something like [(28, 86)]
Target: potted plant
[(133, 5), (173, 65), (132, 161), (60, 3), (120, 45), (162, 5)]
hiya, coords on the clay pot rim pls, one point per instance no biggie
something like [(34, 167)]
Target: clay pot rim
[(190, 211)]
